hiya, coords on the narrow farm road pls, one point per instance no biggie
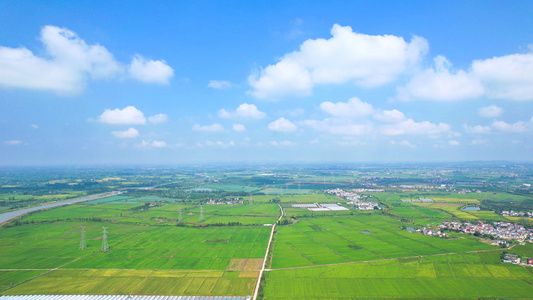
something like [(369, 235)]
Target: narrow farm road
[(258, 282)]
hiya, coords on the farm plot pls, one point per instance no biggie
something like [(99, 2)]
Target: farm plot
[(399, 278), (135, 282), (345, 239), (174, 248), (47, 246)]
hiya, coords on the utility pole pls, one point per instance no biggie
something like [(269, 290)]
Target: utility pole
[(105, 246), (201, 213), (180, 218)]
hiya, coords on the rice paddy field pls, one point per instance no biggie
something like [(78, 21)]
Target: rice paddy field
[(322, 255)]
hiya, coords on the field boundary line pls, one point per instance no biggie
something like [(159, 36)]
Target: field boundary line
[(258, 281)]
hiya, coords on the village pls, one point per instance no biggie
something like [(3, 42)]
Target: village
[(354, 199), (502, 232), (512, 213)]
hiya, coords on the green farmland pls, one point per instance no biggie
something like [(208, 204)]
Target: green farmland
[(166, 240)]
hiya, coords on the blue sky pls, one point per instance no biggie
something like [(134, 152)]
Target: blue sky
[(138, 82)]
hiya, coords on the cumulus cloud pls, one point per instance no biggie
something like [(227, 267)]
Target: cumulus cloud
[(239, 127), (150, 71), (518, 127), (244, 111), (491, 111), (390, 116), (208, 128), (159, 118), (407, 144), (282, 143), (353, 108), (338, 127), (453, 143), (506, 77), (477, 129), (282, 125), (366, 60), (13, 142), (68, 62), (126, 116), (158, 144), (126, 134), (219, 84), (441, 83), (501, 126), (215, 144), (410, 127)]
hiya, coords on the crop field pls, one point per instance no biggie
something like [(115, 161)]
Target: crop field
[(283, 191), (133, 213), (349, 239), (404, 278), (139, 282), (452, 209), (227, 259)]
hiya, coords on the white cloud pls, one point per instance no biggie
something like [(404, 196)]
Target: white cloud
[(476, 129), (244, 111), (347, 56), (442, 84), (67, 64), (390, 116), (283, 79), (127, 116), (491, 111), (126, 134), (282, 125), (338, 127), (353, 108), (506, 77), (150, 71), (512, 127), (219, 84), (34, 126), (410, 127), (208, 128), (159, 118), (217, 144), (239, 127), (453, 143), (13, 142), (70, 62), (407, 144), (158, 144), (282, 143)]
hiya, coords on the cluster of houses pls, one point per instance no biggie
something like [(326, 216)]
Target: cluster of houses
[(354, 199), (515, 259), (421, 200), (427, 231), (226, 200), (502, 231), (512, 213)]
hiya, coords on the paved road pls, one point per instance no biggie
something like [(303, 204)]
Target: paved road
[(16, 213)]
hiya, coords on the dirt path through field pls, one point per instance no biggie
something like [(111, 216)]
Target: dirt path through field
[(258, 282)]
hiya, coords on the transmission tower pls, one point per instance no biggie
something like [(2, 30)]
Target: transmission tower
[(83, 244), (201, 213), (105, 246), (179, 218), (251, 200)]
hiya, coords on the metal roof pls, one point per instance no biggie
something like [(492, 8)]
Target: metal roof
[(119, 297)]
